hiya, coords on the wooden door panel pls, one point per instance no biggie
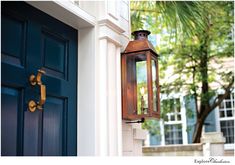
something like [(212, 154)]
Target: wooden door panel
[(14, 37), (11, 118), (32, 133), (54, 54), (54, 126)]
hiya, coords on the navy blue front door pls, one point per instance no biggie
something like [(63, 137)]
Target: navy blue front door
[(32, 40)]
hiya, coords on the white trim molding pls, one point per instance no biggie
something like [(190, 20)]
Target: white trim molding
[(67, 12)]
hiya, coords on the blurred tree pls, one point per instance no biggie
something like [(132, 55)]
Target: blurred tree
[(195, 38)]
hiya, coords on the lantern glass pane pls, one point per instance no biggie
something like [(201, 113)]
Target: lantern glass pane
[(154, 84), (142, 89), (141, 85), (137, 93)]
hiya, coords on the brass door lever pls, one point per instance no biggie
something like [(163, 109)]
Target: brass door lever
[(36, 80)]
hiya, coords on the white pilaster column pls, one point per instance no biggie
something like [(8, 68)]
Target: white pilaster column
[(101, 100), (119, 103), (112, 100), (108, 90)]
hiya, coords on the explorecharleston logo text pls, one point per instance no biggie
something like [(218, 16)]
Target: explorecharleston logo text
[(211, 160)]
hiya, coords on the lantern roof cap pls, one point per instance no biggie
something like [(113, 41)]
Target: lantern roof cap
[(140, 34), (141, 42)]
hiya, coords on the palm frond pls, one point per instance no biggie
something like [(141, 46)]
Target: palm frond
[(182, 17)]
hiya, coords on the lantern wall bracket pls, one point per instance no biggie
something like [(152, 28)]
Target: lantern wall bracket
[(137, 121)]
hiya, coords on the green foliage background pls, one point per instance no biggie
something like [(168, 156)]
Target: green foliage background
[(193, 35)]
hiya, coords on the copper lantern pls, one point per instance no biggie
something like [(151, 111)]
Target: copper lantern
[(140, 82)]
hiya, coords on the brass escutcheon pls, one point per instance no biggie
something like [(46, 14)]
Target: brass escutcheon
[(32, 106)]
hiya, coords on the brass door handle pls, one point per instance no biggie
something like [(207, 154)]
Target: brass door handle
[(36, 80)]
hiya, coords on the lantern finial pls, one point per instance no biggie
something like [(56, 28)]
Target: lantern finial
[(141, 34)]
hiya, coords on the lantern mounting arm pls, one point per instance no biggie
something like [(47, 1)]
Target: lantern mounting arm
[(137, 121)]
